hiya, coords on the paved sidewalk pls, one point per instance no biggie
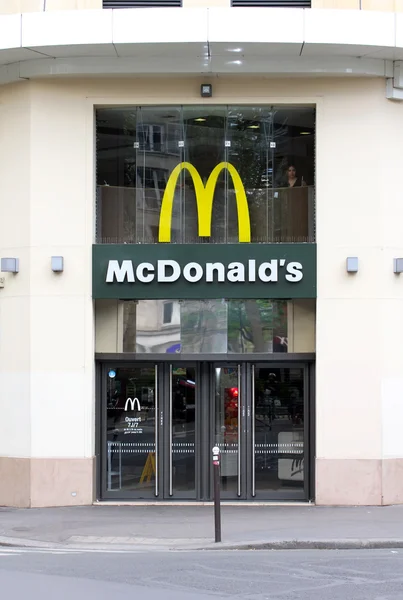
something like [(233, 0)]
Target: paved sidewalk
[(192, 527)]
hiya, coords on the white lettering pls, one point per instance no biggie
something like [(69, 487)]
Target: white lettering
[(120, 272), (211, 267), (252, 270), (236, 272), (273, 268), (193, 266), (162, 276), (294, 272), (142, 276)]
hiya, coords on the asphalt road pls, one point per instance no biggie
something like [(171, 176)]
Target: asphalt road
[(210, 575)]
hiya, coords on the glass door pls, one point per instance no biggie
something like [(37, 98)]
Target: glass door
[(160, 422), (229, 434), (278, 434), (181, 431), (130, 433)]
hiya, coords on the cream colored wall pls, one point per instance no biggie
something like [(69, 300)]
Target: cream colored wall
[(301, 324), (61, 305), (382, 5), (15, 334), (108, 326), (22, 6), (359, 364), (46, 321)]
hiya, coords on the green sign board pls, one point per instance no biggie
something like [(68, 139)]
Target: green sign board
[(201, 271)]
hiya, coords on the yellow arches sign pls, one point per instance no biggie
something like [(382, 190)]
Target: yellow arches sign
[(204, 201)]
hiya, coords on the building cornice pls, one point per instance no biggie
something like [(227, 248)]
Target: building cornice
[(204, 41)]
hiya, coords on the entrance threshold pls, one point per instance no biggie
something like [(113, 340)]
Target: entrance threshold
[(175, 503)]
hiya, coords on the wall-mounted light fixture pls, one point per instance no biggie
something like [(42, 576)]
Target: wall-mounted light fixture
[(206, 90), (10, 265), (57, 263), (352, 264), (398, 265)]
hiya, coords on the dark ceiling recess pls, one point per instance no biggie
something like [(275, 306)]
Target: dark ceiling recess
[(273, 3), (140, 3)]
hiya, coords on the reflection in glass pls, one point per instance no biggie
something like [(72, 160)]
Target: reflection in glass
[(279, 428), (159, 130), (139, 147), (203, 326), (157, 326), (226, 425), (204, 137), (131, 431), (250, 132), (200, 326), (183, 381), (256, 325)]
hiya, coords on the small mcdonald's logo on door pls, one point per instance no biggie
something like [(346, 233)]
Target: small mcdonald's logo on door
[(132, 402)]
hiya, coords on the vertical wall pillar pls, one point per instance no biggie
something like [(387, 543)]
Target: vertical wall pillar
[(46, 318), (15, 319)]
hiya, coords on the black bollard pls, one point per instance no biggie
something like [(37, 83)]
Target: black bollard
[(217, 499)]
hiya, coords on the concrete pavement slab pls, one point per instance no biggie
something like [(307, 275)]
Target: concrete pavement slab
[(192, 527)]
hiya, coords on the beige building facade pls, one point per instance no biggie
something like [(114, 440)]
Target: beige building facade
[(62, 344)]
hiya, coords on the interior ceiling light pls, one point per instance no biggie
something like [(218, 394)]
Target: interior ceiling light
[(235, 62), (234, 49), (200, 119), (304, 133), (253, 126)]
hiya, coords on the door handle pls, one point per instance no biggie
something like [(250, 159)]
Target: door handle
[(156, 404), (253, 434), (239, 429), (170, 432)]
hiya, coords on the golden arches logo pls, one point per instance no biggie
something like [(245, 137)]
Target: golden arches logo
[(204, 201)]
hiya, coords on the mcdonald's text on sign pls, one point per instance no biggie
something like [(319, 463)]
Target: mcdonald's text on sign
[(169, 271), (202, 271)]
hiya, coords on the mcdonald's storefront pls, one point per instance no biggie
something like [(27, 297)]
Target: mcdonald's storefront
[(204, 281), (198, 272)]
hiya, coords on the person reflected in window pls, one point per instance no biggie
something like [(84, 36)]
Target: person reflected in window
[(292, 179)]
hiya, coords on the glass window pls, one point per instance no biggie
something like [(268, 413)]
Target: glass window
[(141, 149), (256, 325), (205, 326), (168, 312)]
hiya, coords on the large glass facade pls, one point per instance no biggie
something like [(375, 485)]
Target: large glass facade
[(181, 375), (270, 147)]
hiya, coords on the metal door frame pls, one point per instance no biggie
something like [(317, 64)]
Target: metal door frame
[(241, 467), (205, 426), (104, 493), (306, 493), (166, 470)]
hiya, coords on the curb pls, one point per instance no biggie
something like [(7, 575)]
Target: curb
[(324, 544), (332, 544), (26, 543)]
